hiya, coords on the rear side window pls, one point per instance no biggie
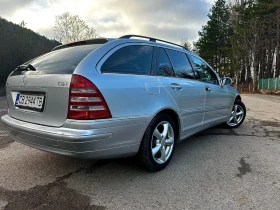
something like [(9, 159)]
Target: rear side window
[(62, 61), (164, 66), (181, 64), (135, 59)]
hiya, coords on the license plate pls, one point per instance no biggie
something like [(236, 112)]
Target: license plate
[(32, 102)]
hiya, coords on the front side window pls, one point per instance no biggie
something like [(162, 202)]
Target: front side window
[(134, 59), (205, 73), (164, 66), (181, 64)]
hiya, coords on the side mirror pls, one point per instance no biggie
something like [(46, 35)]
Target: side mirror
[(226, 81)]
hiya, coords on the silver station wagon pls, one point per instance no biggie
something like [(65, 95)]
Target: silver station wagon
[(111, 98)]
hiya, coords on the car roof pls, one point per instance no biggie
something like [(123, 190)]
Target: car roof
[(125, 39)]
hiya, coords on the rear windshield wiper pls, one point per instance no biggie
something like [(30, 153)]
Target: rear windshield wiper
[(28, 67)]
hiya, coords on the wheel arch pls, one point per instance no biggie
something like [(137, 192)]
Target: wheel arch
[(238, 97), (175, 117)]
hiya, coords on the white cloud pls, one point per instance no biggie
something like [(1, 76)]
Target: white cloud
[(166, 19)]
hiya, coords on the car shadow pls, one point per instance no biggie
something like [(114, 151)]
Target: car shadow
[(40, 166), (197, 162)]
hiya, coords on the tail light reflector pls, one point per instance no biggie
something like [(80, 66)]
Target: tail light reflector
[(85, 100)]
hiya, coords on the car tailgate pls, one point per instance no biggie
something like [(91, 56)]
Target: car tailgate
[(54, 90)]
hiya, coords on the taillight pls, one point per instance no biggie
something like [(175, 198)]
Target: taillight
[(85, 100)]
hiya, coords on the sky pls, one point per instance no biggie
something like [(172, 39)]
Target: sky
[(172, 20)]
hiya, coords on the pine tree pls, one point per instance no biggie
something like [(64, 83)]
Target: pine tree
[(214, 39)]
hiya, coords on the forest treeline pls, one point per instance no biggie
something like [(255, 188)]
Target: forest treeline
[(242, 39), (18, 45)]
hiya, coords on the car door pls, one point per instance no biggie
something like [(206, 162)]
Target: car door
[(218, 99), (177, 76)]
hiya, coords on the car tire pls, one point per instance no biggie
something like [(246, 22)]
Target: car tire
[(237, 116), (158, 143)]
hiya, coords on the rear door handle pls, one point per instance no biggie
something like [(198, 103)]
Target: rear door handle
[(176, 86), (208, 89)]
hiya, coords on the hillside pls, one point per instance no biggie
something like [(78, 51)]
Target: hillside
[(18, 45)]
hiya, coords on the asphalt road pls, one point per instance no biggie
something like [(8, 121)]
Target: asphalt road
[(216, 169)]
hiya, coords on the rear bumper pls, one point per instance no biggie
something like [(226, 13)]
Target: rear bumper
[(110, 138)]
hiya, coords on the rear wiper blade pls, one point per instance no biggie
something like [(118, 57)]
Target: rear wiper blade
[(28, 67)]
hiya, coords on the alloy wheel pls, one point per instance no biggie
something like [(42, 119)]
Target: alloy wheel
[(237, 115), (162, 142)]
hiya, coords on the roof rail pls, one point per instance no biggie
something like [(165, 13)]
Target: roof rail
[(84, 42), (151, 39)]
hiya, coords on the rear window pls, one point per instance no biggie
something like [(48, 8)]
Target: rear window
[(135, 59), (63, 61)]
